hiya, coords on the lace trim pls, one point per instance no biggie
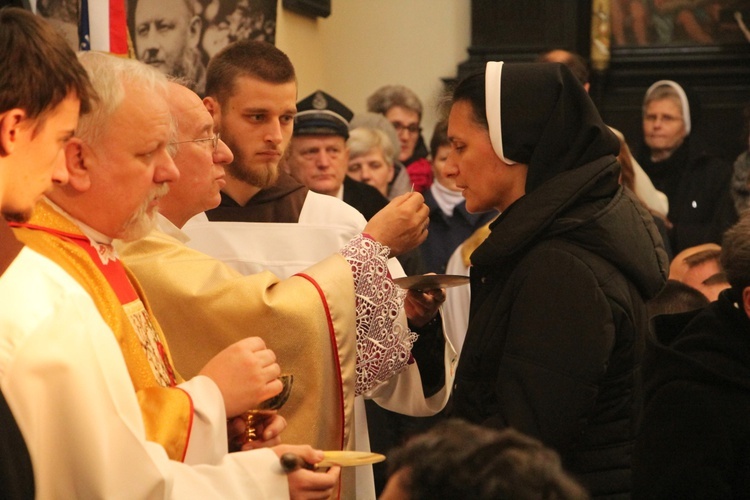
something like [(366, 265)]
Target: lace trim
[(383, 343)]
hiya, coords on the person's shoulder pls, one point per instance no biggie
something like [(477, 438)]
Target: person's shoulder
[(34, 288), (364, 191)]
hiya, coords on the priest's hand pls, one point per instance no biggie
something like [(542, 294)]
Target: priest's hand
[(422, 306), (402, 224), (246, 373), (307, 484), (268, 428)]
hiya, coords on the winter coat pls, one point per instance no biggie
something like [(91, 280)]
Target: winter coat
[(695, 437), (558, 321), (698, 188)]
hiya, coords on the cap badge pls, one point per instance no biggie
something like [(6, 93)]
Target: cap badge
[(319, 101)]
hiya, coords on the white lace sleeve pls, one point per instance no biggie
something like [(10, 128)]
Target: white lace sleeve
[(383, 343)]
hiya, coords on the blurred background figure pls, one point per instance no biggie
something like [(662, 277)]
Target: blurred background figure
[(694, 429), (677, 161), (456, 460), (676, 297), (741, 172), (700, 267), (371, 158), (403, 109), (401, 182)]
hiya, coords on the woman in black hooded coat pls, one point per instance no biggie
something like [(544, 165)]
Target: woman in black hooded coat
[(557, 316)]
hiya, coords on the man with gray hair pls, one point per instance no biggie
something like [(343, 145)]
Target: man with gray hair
[(118, 168)]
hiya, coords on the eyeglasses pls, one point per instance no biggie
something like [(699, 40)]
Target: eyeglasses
[(412, 129), (214, 141)]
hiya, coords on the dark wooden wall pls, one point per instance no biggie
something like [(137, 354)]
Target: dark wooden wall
[(719, 76)]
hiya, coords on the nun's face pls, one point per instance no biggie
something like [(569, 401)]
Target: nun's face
[(663, 127), (485, 180)]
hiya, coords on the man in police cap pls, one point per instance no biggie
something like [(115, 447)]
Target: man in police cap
[(317, 155)]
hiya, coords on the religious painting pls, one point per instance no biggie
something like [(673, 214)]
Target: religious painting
[(177, 37), (672, 23)]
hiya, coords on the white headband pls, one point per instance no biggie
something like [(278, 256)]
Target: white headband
[(493, 73), (683, 99)]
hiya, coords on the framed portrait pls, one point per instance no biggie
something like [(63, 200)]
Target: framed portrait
[(177, 37), (310, 8)]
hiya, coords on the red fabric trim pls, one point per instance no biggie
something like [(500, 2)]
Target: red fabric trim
[(113, 271), (118, 33), (335, 348), (335, 357), (190, 424)]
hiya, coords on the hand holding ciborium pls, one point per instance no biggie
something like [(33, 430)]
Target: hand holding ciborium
[(266, 408)]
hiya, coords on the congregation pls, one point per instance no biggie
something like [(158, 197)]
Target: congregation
[(169, 258)]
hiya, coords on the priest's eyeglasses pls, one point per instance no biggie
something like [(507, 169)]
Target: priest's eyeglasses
[(214, 141)]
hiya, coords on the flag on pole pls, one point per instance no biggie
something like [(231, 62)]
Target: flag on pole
[(103, 26)]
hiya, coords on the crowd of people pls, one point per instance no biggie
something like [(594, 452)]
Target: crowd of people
[(167, 256)]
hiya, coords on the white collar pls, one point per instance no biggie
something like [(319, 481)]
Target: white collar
[(167, 227), (99, 241)]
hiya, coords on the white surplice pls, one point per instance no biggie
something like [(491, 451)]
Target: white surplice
[(66, 382)]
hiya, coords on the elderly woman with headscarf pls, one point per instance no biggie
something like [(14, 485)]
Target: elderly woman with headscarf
[(557, 317), (696, 183)]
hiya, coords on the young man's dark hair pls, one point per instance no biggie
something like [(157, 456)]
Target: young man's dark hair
[(457, 460), (37, 68), (251, 58)]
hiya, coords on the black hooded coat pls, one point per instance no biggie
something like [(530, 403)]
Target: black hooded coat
[(557, 321), (695, 438)]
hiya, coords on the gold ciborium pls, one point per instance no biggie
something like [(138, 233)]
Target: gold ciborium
[(267, 407)]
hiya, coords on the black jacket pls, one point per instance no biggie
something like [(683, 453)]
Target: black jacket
[(695, 438), (557, 322), (365, 198), (698, 188)]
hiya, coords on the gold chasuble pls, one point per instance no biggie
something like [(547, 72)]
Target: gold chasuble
[(308, 320), (167, 410)]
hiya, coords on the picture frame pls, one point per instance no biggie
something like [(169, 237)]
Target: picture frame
[(679, 30), (309, 8)]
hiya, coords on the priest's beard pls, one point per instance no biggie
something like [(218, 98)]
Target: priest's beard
[(143, 221)]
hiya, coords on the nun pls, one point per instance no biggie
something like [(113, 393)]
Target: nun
[(557, 318), (676, 158)]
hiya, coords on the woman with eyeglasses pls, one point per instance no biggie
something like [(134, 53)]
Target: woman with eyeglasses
[(675, 158), (401, 106)]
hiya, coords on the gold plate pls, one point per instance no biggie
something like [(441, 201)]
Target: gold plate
[(349, 458), (431, 281)]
